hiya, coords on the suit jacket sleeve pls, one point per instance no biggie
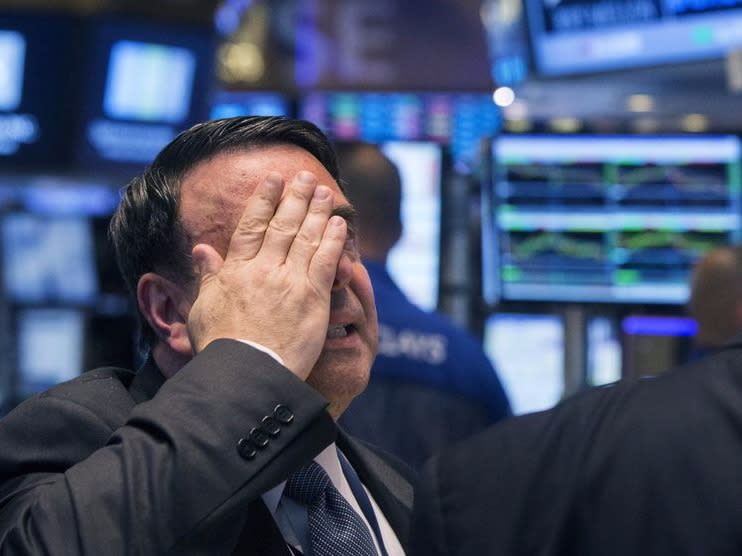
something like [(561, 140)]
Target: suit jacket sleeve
[(168, 476)]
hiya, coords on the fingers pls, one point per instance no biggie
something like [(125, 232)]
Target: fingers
[(248, 237), (289, 217), (324, 263), (287, 230), (312, 229)]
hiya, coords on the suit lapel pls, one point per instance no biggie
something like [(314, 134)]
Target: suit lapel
[(391, 487)]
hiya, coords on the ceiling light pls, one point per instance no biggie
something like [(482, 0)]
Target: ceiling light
[(503, 96), (640, 103), (565, 125), (695, 123)]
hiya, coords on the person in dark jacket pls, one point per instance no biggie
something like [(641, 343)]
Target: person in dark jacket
[(647, 467), (238, 245)]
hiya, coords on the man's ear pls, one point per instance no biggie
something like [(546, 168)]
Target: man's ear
[(165, 306)]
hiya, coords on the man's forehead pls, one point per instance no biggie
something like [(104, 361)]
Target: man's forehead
[(244, 169), (214, 192)]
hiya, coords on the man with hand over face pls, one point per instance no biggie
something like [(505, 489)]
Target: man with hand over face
[(260, 323)]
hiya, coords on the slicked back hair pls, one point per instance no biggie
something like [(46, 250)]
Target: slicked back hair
[(146, 230)]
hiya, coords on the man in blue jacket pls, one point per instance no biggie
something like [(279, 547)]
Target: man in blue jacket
[(431, 383)]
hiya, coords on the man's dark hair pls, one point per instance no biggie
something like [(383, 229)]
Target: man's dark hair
[(146, 230)]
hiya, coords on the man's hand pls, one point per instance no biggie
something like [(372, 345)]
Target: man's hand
[(273, 287)]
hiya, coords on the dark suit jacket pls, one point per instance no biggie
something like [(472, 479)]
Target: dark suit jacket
[(651, 467), (117, 463)]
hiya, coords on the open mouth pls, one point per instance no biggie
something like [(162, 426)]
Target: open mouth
[(339, 330)]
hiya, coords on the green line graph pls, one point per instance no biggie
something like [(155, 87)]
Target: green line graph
[(559, 243)]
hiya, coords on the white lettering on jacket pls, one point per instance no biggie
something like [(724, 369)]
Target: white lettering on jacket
[(419, 346)]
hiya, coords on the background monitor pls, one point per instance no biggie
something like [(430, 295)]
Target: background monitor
[(457, 119), (38, 81), (528, 353), (414, 262), (144, 84), (618, 219), (580, 36), (49, 348), (48, 259)]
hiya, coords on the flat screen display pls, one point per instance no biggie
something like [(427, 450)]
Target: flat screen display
[(50, 346), (38, 80), (459, 120), (414, 261), (145, 84), (12, 64), (149, 82), (578, 36), (48, 259), (528, 353), (607, 219)]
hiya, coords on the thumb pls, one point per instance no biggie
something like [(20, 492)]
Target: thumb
[(208, 262)]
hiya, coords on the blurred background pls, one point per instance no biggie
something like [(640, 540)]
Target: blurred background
[(564, 162)]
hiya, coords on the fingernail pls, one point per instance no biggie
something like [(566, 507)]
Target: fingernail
[(322, 192), (337, 220), (306, 177), (274, 179)]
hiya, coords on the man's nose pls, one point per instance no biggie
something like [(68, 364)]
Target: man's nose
[(344, 273)]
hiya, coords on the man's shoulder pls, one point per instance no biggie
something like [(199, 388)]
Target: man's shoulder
[(99, 395), (101, 390), (56, 428), (375, 457), (680, 411)]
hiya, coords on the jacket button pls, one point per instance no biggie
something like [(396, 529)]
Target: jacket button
[(283, 414), (270, 425), (259, 437), (246, 448)]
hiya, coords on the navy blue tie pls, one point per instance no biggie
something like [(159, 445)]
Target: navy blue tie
[(334, 526)]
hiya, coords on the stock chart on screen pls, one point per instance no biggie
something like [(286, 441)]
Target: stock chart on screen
[(607, 218)]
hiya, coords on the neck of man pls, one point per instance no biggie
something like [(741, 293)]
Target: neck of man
[(168, 361)]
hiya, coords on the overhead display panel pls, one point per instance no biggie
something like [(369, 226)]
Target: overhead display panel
[(580, 36), (459, 119), (415, 44), (615, 219)]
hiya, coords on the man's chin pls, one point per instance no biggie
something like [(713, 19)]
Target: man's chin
[(339, 383)]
